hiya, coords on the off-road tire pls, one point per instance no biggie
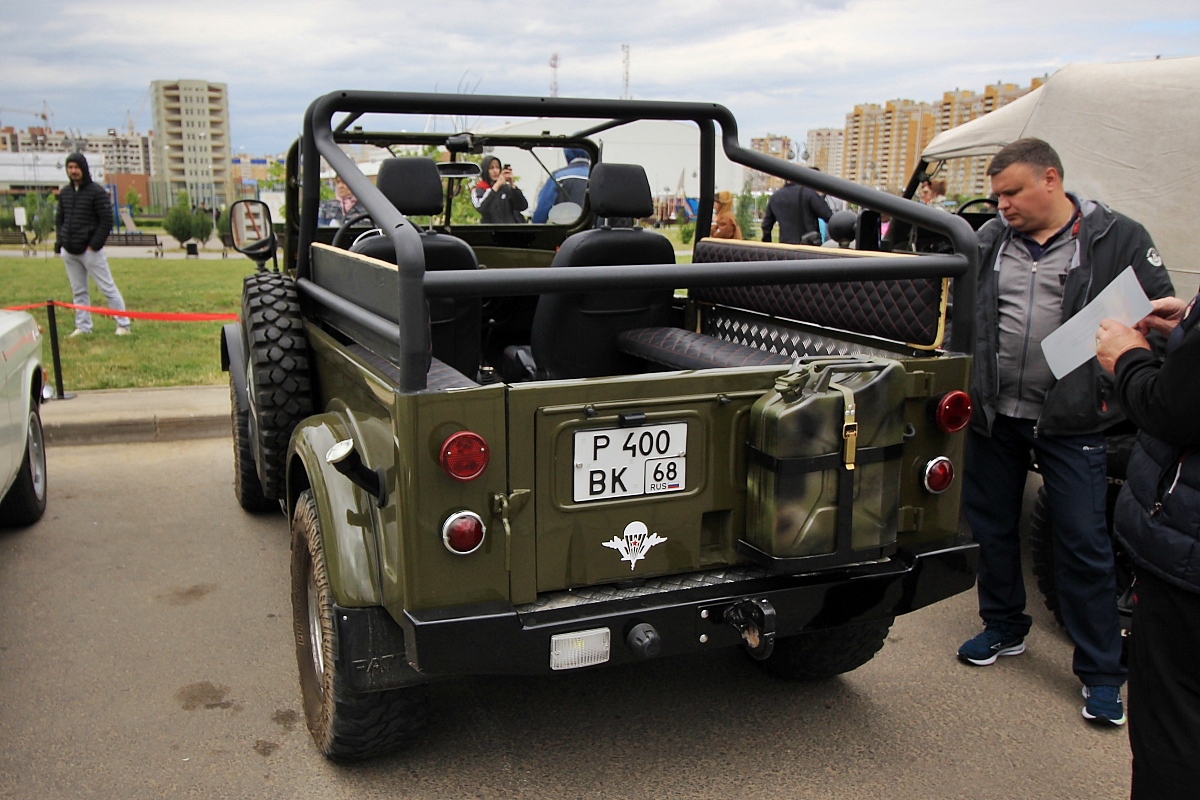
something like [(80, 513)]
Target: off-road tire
[(246, 485), (822, 654), (1041, 549), (26, 499), (277, 372), (346, 725)]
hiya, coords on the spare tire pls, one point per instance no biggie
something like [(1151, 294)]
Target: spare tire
[(277, 376)]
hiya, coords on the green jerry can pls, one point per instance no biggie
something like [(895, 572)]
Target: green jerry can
[(823, 464)]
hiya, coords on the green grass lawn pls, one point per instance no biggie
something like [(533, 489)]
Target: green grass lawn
[(158, 353)]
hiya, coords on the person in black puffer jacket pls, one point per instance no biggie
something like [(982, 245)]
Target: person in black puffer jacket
[(1157, 519), (83, 220)]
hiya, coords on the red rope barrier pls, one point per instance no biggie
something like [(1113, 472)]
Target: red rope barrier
[(161, 316)]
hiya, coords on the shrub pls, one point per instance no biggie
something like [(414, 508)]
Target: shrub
[(202, 225), (687, 232)]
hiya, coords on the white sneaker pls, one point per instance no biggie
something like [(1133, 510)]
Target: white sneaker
[(77, 332), (122, 332)]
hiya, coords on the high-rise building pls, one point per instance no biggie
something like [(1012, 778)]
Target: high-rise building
[(824, 147), (776, 147), (192, 151), (882, 143)]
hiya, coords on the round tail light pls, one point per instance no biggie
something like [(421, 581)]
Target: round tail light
[(939, 474), (464, 456), (953, 411), (462, 532)]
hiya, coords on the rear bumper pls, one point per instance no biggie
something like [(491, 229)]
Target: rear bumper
[(499, 639)]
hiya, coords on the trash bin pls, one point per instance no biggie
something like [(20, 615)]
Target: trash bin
[(193, 250)]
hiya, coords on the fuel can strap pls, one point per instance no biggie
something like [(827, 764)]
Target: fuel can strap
[(797, 465)]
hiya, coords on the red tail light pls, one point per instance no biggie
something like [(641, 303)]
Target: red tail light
[(953, 411), (939, 474), (462, 532), (464, 456)]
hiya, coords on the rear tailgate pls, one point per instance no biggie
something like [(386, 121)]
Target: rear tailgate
[(633, 476)]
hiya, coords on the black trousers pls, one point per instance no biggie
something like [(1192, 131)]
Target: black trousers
[(1164, 691)]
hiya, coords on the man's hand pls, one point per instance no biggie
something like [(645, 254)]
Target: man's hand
[(1166, 313), (1114, 340)]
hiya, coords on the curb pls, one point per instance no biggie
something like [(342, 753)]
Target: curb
[(137, 415)]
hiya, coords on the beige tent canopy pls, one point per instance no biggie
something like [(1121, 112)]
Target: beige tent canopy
[(1128, 135)]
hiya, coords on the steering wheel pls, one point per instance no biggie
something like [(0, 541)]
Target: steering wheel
[(343, 232), (978, 201)]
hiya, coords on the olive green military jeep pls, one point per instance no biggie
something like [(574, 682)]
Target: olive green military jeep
[(519, 448)]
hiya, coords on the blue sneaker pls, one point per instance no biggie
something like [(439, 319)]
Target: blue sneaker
[(1103, 705), (994, 642)]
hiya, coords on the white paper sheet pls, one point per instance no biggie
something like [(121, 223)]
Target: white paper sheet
[(1074, 342)]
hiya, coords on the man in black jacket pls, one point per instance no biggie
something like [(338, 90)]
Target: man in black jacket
[(1043, 260), (83, 220), (796, 208), (1157, 519)]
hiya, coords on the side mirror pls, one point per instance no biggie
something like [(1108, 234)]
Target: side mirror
[(251, 229)]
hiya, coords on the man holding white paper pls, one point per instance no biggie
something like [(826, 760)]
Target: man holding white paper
[(1046, 257)]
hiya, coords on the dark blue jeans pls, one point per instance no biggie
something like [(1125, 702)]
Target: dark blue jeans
[(1074, 474)]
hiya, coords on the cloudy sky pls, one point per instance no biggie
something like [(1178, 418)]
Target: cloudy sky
[(781, 67)]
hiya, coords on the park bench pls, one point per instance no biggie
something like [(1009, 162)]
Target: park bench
[(17, 237), (136, 240)]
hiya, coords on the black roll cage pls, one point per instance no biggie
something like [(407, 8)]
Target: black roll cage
[(320, 140)]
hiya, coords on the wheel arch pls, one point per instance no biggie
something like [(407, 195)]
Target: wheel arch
[(345, 512)]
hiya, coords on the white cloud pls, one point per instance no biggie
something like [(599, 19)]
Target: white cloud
[(784, 69)]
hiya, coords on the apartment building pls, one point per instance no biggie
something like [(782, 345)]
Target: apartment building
[(192, 151), (123, 153), (882, 143), (824, 147), (776, 147)]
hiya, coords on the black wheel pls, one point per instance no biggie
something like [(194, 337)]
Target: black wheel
[(246, 485), (26, 499), (346, 725), (1041, 548), (821, 654), (277, 373)]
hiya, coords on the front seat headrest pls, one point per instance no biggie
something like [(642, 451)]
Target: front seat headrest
[(620, 190), (412, 185)]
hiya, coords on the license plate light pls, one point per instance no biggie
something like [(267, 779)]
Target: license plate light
[(579, 648)]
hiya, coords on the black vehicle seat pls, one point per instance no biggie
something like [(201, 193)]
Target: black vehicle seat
[(574, 335), (414, 187)]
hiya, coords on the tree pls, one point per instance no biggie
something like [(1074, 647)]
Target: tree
[(39, 215), (202, 225), (134, 201), (179, 221), (744, 212)]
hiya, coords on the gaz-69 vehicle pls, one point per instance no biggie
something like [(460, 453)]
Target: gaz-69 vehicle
[(520, 448)]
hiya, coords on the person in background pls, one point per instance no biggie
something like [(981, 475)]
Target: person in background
[(1157, 520), (796, 208), (83, 220), (1045, 256), (496, 197), (566, 185), (933, 193), (725, 224), (343, 205)]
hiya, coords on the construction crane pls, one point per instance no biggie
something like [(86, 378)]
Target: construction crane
[(45, 115)]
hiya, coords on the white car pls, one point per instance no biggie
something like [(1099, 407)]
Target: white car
[(22, 449)]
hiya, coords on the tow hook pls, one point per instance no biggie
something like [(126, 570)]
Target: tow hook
[(755, 621)]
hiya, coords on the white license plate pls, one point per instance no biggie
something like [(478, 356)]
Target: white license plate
[(628, 462)]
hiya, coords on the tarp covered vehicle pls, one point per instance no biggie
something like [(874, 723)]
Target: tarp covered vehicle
[(519, 449)]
